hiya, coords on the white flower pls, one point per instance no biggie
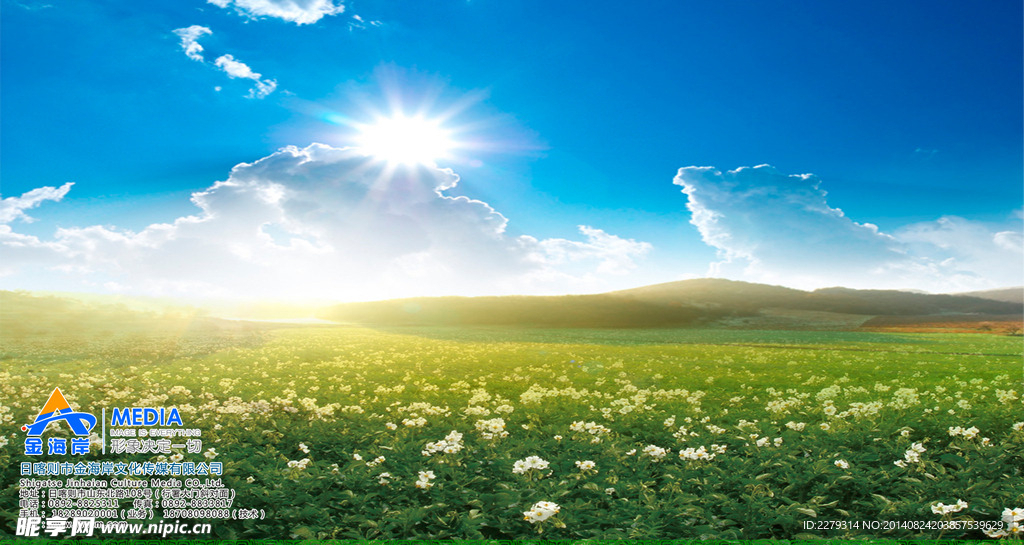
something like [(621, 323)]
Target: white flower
[(700, 453), (541, 511), (177, 457), (900, 463), (1018, 426), (451, 444), (1013, 515), (586, 465), (356, 456), (250, 479), (530, 462), (299, 464), (763, 441), (210, 453), (943, 509), (424, 481), (492, 429), (303, 448), (825, 426), (384, 478), (971, 432), (996, 533), (558, 438), (391, 426), (631, 452), (655, 452), (609, 491), (842, 464)]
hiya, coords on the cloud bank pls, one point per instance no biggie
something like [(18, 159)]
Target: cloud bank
[(322, 222), (777, 228)]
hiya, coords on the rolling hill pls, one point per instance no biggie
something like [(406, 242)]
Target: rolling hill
[(675, 304), (1009, 295)]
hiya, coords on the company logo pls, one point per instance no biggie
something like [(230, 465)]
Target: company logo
[(57, 408)]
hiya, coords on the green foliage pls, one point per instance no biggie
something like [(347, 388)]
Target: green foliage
[(758, 401)]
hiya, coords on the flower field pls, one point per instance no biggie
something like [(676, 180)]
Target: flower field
[(345, 433)]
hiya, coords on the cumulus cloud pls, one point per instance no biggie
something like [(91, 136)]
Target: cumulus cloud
[(328, 222), (768, 226), (190, 40), (300, 12)]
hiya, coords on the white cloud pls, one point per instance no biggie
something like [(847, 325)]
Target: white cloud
[(237, 69), (332, 223), (974, 255), (190, 40), (771, 227), (13, 208), (358, 23), (227, 63), (300, 12), (26, 250), (615, 255)]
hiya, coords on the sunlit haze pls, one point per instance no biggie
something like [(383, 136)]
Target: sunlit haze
[(406, 140)]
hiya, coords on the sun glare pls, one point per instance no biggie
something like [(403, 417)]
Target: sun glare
[(406, 140)]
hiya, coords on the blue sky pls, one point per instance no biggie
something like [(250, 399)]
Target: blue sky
[(573, 121)]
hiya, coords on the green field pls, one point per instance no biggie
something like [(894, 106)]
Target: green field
[(802, 426)]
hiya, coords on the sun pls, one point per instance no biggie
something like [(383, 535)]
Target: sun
[(405, 140)]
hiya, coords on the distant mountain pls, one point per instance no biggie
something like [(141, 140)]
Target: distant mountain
[(673, 304), (1008, 295)]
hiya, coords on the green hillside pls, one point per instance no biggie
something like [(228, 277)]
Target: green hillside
[(674, 304), (603, 310)]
